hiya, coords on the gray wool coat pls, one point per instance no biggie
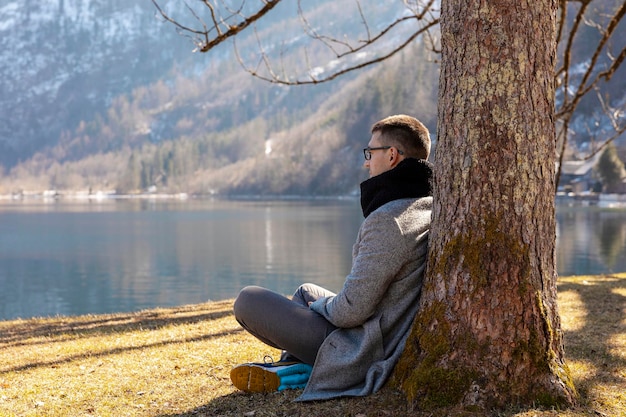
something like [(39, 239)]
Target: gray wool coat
[(377, 304)]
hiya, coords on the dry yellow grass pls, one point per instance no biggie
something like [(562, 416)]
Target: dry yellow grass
[(176, 362)]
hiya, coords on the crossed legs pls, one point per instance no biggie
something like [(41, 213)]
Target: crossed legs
[(283, 323)]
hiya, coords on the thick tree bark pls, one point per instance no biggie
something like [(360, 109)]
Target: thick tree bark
[(488, 332)]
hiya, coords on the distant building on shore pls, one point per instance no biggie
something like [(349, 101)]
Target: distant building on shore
[(578, 176)]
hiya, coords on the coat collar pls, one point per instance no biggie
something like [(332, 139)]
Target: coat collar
[(411, 178)]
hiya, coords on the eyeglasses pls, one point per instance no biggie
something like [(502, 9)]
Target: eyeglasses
[(367, 152)]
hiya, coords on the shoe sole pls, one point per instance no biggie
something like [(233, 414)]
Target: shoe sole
[(251, 378)]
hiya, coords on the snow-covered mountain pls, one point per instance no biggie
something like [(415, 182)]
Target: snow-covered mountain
[(65, 61), (61, 61)]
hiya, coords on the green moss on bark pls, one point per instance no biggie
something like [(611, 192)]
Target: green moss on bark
[(482, 248), (426, 383), (432, 375)]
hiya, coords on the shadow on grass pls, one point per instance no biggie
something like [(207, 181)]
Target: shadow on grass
[(605, 308), (69, 359), (387, 402), (79, 327), (68, 329)]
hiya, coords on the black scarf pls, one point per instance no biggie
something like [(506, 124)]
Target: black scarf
[(411, 178)]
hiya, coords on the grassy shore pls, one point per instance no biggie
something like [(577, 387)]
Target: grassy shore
[(176, 362)]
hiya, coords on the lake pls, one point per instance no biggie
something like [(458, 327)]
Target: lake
[(62, 257)]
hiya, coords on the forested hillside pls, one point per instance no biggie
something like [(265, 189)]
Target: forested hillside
[(235, 134), (206, 126), (102, 95)]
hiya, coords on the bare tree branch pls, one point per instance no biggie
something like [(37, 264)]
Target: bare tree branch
[(312, 79), (417, 15), (586, 84), (426, 13), (574, 87), (219, 24)]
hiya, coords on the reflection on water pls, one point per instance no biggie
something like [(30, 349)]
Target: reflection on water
[(125, 255), (590, 240), (69, 258)]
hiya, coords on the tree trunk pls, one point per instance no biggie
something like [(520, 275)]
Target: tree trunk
[(488, 332)]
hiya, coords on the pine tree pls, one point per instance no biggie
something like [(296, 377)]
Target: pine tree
[(610, 169)]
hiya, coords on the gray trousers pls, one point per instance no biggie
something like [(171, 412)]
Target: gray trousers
[(283, 323)]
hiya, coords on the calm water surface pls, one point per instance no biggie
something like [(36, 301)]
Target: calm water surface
[(70, 258)]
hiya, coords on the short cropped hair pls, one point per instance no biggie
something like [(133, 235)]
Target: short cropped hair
[(405, 133)]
